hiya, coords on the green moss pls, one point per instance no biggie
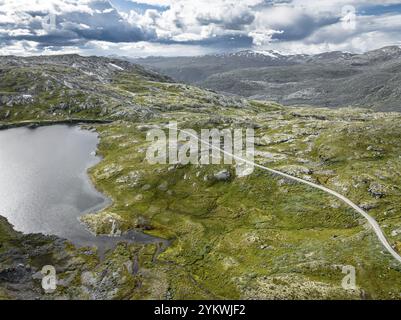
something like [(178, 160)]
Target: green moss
[(236, 239), (269, 228)]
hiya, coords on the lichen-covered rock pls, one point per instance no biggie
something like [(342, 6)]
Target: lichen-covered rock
[(267, 140), (377, 190), (272, 157), (294, 287), (223, 175), (104, 223), (295, 170), (132, 179), (368, 205)]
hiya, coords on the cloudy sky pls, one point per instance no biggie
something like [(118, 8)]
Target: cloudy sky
[(194, 27)]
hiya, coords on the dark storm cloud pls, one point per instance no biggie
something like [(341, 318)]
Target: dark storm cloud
[(303, 27), (234, 23)]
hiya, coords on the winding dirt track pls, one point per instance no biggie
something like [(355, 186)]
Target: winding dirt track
[(372, 222)]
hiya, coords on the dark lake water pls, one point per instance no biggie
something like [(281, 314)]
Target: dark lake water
[(44, 186)]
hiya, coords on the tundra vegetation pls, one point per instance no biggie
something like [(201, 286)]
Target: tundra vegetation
[(253, 237)]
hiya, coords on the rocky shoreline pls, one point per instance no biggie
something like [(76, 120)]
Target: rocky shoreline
[(22, 256)]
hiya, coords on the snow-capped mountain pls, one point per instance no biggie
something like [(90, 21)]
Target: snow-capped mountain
[(331, 79)]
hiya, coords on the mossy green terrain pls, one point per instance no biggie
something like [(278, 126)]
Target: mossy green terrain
[(253, 237)]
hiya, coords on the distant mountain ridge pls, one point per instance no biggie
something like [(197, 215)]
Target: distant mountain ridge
[(331, 79)]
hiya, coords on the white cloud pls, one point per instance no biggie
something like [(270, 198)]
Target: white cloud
[(142, 49), (204, 25)]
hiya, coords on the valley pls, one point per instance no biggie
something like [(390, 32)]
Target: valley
[(255, 237)]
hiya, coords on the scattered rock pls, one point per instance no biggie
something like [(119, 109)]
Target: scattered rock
[(104, 223), (396, 232), (377, 190), (223, 175), (147, 127), (88, 279), (295, 170), (163, 186), (146, 187), (270, 156), (369, 205)]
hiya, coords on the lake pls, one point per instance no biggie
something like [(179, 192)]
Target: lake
[(44, 186)]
